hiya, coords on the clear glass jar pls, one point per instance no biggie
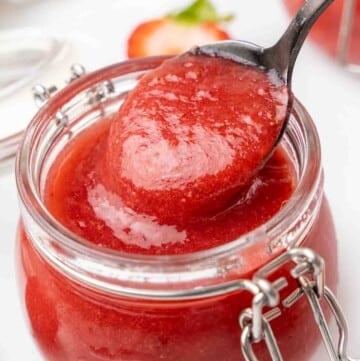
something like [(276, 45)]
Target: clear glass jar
[(84, 302)]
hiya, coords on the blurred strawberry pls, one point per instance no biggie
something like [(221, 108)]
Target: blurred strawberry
[(178, 32)]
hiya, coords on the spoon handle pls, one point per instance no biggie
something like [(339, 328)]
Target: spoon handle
[(284, 53)]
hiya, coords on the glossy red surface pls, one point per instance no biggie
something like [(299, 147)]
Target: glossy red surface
[(326, 30), (186, 141), (71, 322), (76, 195), (87, 191)]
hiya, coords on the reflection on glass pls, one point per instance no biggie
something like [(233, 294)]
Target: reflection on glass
[(24, 54)]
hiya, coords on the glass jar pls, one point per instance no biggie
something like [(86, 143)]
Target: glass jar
[(338, 30), (84, 302)]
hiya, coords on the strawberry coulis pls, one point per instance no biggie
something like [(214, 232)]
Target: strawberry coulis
[(185, 143), (177, 169), (100, 187)]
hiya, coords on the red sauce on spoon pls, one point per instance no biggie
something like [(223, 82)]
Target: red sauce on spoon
[(191, 135)]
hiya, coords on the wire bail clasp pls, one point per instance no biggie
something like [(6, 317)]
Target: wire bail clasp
[(309, 271), (256, 325), (337, 351)]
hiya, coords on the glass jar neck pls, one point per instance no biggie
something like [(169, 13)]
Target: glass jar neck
[(217, 270)]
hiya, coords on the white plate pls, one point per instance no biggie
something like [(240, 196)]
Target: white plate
[(97, 31)]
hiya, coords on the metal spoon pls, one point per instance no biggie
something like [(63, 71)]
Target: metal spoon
[(282, 56), (200, 189)]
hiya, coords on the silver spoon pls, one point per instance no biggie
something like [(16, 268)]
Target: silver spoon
[(204, 189), (282, 56)]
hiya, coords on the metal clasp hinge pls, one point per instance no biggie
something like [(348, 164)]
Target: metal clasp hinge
[(96, 95), (309, 273), (42, 94)]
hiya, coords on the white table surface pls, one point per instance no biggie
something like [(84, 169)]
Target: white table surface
[(97, 31)]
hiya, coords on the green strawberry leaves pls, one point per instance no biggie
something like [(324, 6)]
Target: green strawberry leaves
[(201, 11)]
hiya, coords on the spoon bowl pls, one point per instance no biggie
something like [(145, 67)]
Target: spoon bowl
[(207, 126), (279, 58), (282, 56)]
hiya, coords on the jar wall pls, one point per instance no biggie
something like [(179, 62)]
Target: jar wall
[(70, 322)]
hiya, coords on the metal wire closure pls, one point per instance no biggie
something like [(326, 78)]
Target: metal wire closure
[(246, 322), (42, 94), (344, 39), (95, 95), (308, 270)]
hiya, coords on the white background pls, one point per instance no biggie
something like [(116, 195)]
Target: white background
[(97, 31)]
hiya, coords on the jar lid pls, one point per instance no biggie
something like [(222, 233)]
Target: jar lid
[(28, 57), (25, 56)]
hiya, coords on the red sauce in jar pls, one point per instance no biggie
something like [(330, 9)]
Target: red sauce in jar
[(184, 144), (76, 196), (84, 192), (71, 322)]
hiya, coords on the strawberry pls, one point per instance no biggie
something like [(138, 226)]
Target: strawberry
[(178, 32)]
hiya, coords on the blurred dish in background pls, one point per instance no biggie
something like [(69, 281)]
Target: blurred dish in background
[(24, 54), (37, 46), (34, 58), (338, 31)]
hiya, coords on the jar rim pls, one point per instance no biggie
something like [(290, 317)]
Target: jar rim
[(31, 203)]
